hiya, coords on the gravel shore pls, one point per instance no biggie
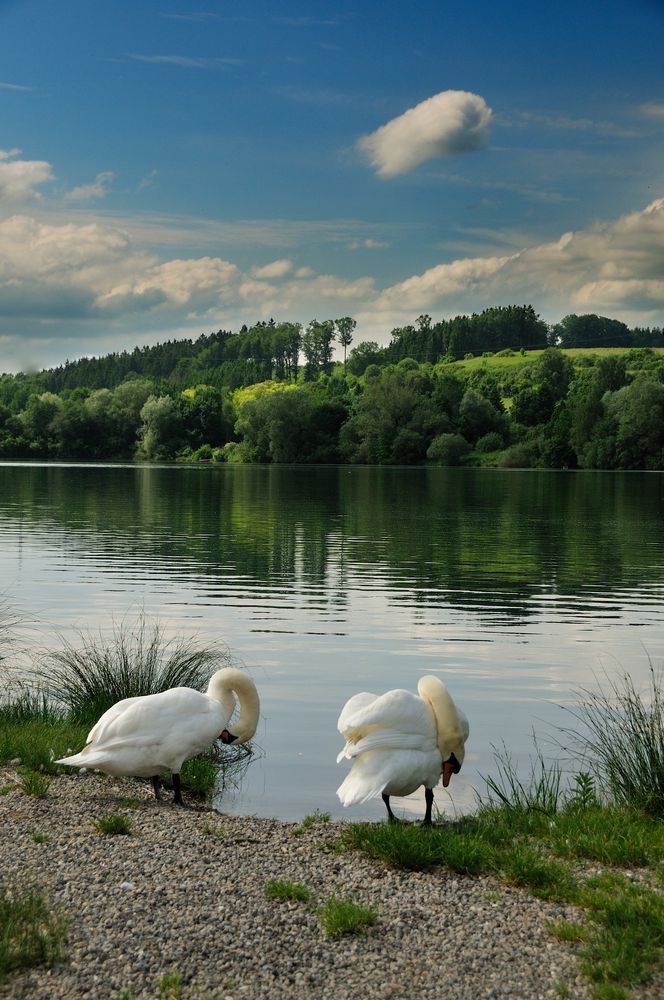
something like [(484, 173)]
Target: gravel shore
[(185, 891)]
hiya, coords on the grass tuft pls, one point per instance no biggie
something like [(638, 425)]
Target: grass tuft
[(618, 724), (35, 784), (88, 678), (287, 891), (113, 824), (32, 933), (346, 916), (315, 818), (567, 930), (629, 930), (541, 792), (170, 985)]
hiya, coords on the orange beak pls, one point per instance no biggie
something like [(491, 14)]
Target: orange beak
[(448, 771)]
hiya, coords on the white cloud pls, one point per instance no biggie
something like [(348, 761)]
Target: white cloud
[(368, 244), (88, 192), (615, 267), (19, 178), (147, 181), (15, 86), (196, 284), (187, 62), (652, 109), (446, 124), (276, 269), (97, 281), (561, 121)]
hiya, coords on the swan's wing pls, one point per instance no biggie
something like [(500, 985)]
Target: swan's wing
[(354, 705), (397, 710), (111, 713), (154, 716), (387, 739)]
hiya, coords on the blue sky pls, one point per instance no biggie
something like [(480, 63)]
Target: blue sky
[(168, 169)]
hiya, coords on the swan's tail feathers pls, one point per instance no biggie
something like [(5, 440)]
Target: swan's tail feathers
[(384, 739), (353, 791), (76, 760)]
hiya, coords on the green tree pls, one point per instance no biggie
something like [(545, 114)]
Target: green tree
[(345, 328), (39, 421), (448, 449), (317, 348), (160, 434), (590, 330), (640, 412), (365, 354), (297, 426), (477, 416), (394, 419)]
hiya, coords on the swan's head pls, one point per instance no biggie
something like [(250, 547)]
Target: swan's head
[(225, 686), (451, 725), (450, 766)]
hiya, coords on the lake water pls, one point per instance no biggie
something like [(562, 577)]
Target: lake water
[(515, 587)]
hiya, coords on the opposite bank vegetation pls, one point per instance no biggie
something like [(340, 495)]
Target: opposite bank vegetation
[(499, 388), (593, 840)]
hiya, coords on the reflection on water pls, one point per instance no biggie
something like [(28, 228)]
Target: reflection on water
[(515, 586)]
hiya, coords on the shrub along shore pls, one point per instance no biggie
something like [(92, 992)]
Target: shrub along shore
[(577, 862)]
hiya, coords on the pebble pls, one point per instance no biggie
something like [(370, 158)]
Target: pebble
[(174, 895)]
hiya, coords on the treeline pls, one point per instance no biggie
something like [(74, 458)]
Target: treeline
[(606, 412), (272, 393), (288, 351)]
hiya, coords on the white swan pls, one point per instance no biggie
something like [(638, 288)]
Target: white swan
[(398, 741), (157, 732)]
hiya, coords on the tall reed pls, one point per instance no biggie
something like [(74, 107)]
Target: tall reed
[(87, 678), (619, 733)]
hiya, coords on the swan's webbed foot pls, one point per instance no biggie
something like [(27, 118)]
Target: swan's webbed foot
[(177, 789), (156, 784)]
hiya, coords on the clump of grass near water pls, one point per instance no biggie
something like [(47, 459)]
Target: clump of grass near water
[(32, 933), (87, 678), (346, 916), (620, 733), (316, 818), (33, 731)]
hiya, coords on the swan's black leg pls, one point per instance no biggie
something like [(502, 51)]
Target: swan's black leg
[(156, 784), (177, 798), (391, 818), (428, 798)]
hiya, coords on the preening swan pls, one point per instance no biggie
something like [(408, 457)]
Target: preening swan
[(157, 732), (398, 741)]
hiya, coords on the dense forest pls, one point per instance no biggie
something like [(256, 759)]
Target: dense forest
[(500, 387)]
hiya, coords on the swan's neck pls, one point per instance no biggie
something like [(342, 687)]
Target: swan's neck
[(227, 685), (448, 723)]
